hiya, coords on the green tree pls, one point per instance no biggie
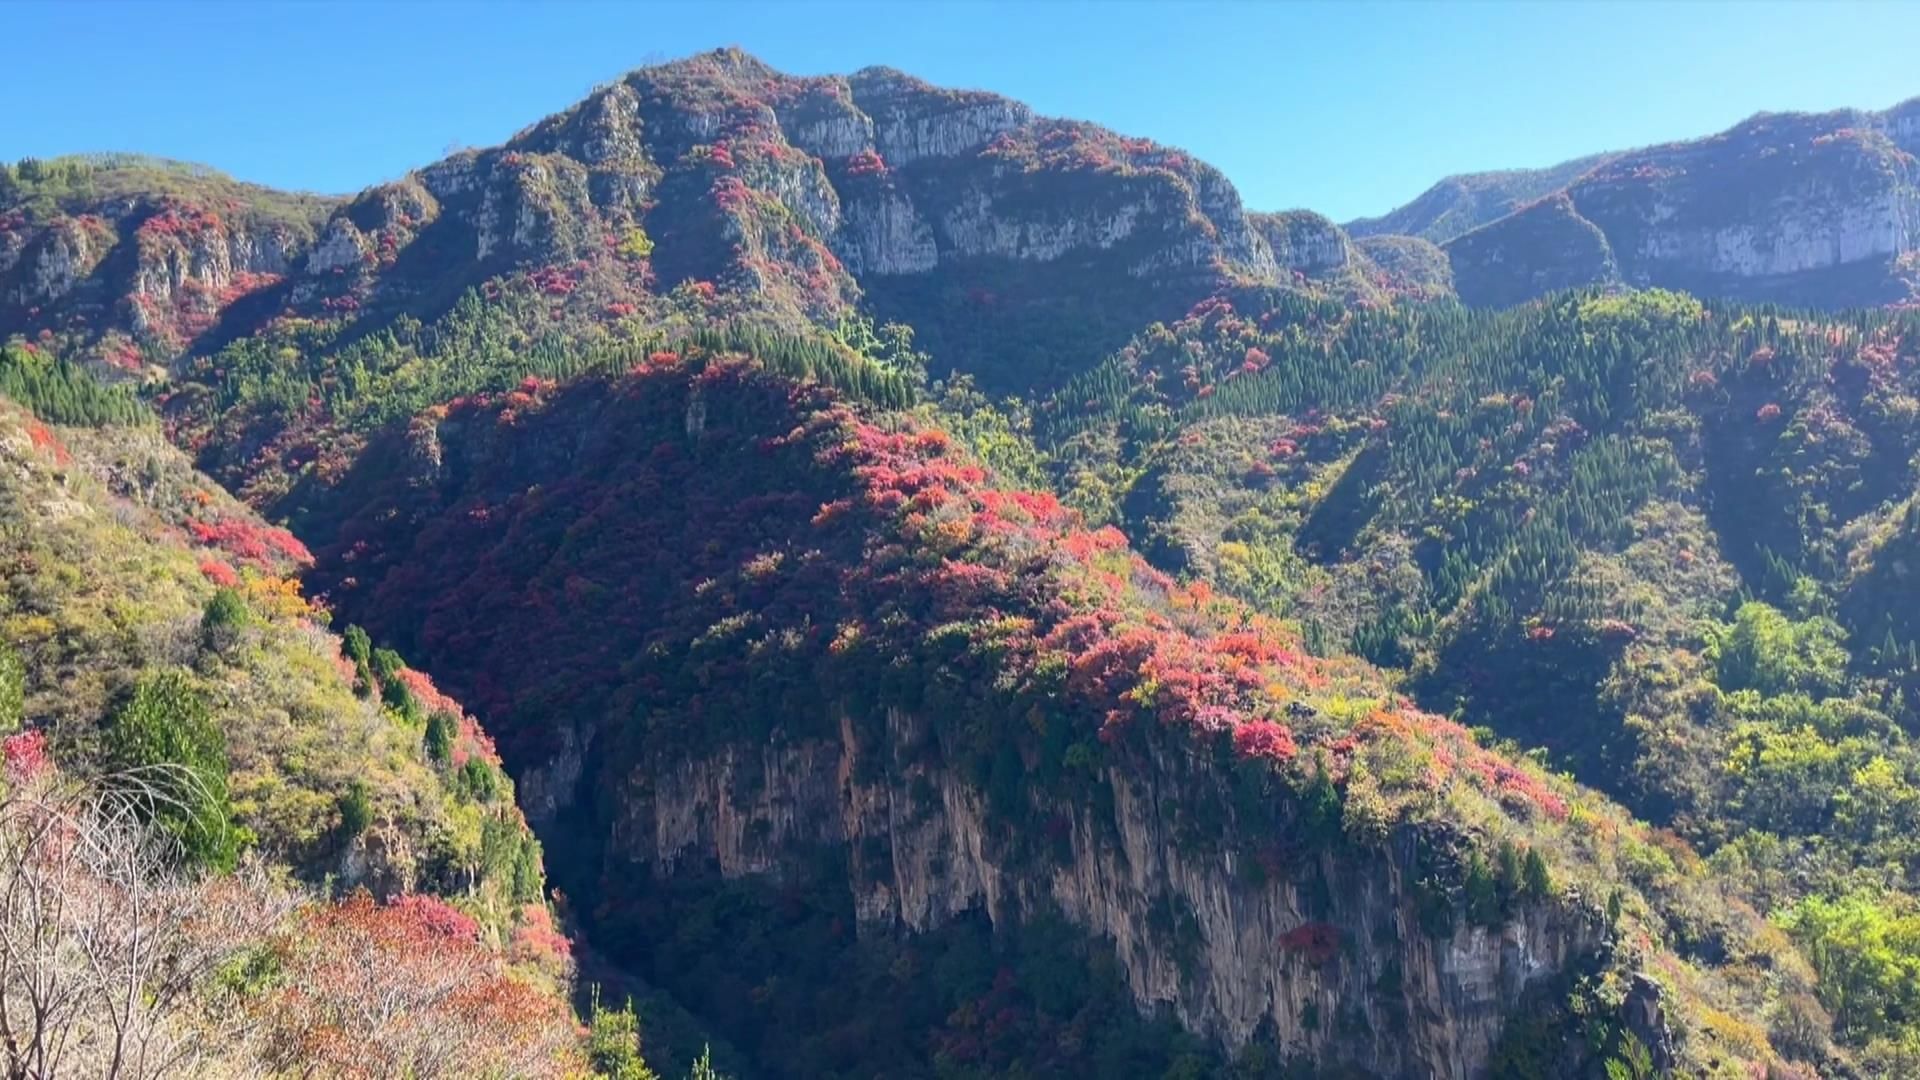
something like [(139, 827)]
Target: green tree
[(359, 649), (1538, 883), (441, 729), (613, 1042), (478, 781), (1764, 650), (356, 809), (1482, 892), (1865, 946), (1633, 1061), (164, 736), (13, 688), (226, 616), (387, 667)]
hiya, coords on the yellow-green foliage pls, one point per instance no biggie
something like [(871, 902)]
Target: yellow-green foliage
[(104, 588), (635, 244)]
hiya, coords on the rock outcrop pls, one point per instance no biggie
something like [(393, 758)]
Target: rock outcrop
[(1304, 241), (135, 255), (1808, 209), (702, 719), (1241, 957)]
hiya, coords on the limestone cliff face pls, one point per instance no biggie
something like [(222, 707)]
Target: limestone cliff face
[(894, 176), (212, 259), (52, 263), (1776, 196), (171, 249), (1806, 209), (1353, 979), (1304, 241), (912, 121), (968, 175), (132, 268)]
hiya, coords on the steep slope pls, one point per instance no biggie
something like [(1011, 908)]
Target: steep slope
[(713, 186), (1320, 256), (1543, 248), (150, 623), (1668, 543), (1461, 204), (135, 259), (798, 675), (1819, 210)]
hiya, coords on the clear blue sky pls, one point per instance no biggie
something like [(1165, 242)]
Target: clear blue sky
[(1349, 109)]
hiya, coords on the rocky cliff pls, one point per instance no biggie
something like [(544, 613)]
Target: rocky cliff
[(1357, 981), (1304, 241), (710, 186), (136, 259), (830, 670), (1018, 246), (1807, 209)]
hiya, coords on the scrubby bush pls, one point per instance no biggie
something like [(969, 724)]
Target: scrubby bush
[(164, 736)]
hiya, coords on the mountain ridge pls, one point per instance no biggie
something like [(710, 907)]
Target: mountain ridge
[(697, 434)]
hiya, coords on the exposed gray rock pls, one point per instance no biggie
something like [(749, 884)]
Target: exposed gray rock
[(912, 121), (1304, 241), (1434, 1006), (883, 234), (341, 245)]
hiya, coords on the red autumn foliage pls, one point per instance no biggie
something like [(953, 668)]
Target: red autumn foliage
[(427, 694), (438, 917), (896, 553), (219, 573), (260, 545), (554, 280), (123, 355), (407, 989), (25, 756), (44, 440), (536, 938), (1264, 739)]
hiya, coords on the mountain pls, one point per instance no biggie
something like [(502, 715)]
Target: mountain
[(1806, 209), (1581, 523), (142, 256), (1461, 204), (799, 683), (956, 594), (153, 631)]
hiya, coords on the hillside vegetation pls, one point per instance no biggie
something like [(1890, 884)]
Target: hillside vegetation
[(955, 594)]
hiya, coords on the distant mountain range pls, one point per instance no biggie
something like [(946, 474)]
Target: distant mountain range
[(1806, 209)]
